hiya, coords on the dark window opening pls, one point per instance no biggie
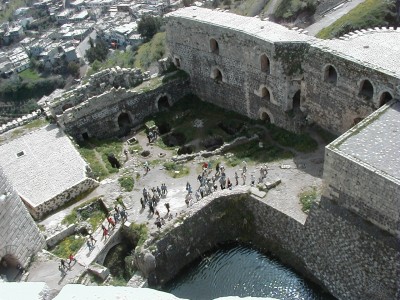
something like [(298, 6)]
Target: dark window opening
[(367, 90), (66, 106), (10, 267), (214, 46), (163, 103), (21, 153), (331, 75), (177, 62), (85, 136), (265, 117), (217, 75), (385, 98), (124, 121), (265, 94), (265, 66), (296, 100)]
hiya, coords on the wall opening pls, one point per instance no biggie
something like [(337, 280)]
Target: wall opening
[(265, 94), (265, 65), (214, 47), (385, 98), (366, 90), (163, 103), (331, 75), (124, 121), (296, 100), (66, 106), (177, 62), (265, 117), (217, 75), (10, 267), (85, 136), (357, 120)]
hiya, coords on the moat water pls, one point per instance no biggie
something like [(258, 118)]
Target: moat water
[(238, 270)]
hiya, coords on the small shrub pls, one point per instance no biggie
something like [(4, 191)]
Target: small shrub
[(67, 246), (126, 182), (307, 198), (136, 233)]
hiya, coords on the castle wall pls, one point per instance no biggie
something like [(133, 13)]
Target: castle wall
[(337, 106), (98, 116), (239, 62), (20, 238)]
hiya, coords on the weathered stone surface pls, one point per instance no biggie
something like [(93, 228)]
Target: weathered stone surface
[(257, 192), (271, 184), (99, 270)]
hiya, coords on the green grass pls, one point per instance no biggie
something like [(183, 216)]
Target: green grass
[(151, 51), (94, 217), (252, 153), (98, 169), (29, 74), (36, 124), (300, 142), (123, 59), (307, 198), (326, 136), (17, 132), (288, 9), (126, 182), (176, 170), (68, 245), (369, 14)]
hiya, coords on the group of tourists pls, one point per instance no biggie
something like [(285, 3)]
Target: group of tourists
[(63, 264)]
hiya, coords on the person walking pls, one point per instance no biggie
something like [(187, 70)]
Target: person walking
[(71, 259), (92, 239), (62, 263), (111, 222), (89, 245), (237, 178), (105, 232), (167, 207)]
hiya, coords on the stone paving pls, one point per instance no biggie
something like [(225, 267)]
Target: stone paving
[(299, 173)]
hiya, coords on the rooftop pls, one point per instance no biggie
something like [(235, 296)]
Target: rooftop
[(264, 30), (378, 49), (376, 140), (42, 164)]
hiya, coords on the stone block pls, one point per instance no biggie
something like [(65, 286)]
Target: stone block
[(271, 184), (99, 271), (257, 192)]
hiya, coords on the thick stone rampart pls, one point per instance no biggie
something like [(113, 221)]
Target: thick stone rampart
[(336, 248)]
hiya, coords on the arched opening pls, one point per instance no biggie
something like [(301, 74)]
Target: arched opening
[(124, 121), (331, 75), (217, 75), (66, 106), (85, 136), (10, 267), (265, 94), (163, 103), (177, 62), (296, 100), (265, 65), (366, 90), (265, 117), (214, 48), (385, 98)]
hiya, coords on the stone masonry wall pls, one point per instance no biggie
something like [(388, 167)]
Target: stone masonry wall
[(360, 189), (98, 116), (336, 106), (336, 248), (19, 235), (41, 210), (239, 61)]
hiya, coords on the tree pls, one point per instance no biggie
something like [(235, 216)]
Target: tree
[(73, 69), (97, 52), (148, 26)]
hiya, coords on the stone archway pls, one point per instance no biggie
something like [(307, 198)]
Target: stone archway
[(385, 98), (366, 89), (163, 103), (9, 267), (296, 100), (124, 120), (266, 116)]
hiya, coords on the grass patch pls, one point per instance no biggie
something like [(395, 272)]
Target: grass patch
[(123, 59), (325, 135), (29, 74), (369, 14), (126, 182), (180, 74), (17, 133), (94, 217), (251, 152), (135, 148), (98, 169), (288, 9), (176, 170), (36, 124), (136, 233), (307, 198), (151, 51), (68, 245), (300, 142)]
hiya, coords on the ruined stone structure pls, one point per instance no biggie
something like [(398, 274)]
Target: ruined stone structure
[(20, 238), (113, 101), (266, 71)]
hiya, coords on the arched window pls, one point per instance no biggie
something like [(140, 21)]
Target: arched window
[(330, 75), (366, 90), (177, 62), (265, 94), (163, 103), (124, 120), (217, 75), (265, 117), (265, 65), (296, 100), (214, 48), (385, 98)]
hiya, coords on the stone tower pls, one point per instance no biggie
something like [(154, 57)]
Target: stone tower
[(20, 238)]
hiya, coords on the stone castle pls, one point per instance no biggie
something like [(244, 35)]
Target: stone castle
[(350, 241)]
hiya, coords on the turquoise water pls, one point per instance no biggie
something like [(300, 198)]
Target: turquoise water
[(237, 270)]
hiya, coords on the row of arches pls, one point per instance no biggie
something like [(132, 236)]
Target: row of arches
[(366, 89), (264, 60)]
